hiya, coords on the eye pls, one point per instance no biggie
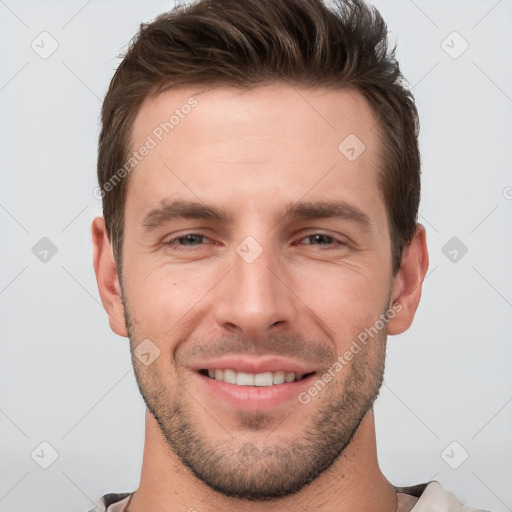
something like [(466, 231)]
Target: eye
[(182, 242), (322, 239)]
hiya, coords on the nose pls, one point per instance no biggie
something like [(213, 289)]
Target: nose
[(256, 298)]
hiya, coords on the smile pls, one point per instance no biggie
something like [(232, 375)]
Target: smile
[(230, 376)]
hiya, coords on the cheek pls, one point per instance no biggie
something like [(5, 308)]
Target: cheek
[(164, 297), (345, 299)]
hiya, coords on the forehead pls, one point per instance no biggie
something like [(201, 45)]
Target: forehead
[(280, 110), (225, 142)]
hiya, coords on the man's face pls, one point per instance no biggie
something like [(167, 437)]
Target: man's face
[(272, 290)]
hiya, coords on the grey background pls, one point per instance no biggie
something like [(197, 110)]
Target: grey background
[(66, 379)]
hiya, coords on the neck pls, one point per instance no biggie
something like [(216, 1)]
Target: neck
[(353, 482)]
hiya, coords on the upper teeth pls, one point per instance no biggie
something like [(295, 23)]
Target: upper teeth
[(254, 379)]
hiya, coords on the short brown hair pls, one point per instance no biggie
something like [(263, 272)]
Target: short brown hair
[(246, 43)]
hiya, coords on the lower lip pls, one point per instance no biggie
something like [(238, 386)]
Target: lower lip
[(255, 397)]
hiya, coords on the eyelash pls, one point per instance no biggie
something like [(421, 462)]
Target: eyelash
[(177, 247)]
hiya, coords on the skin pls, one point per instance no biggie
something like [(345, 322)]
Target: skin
[(304, 298)]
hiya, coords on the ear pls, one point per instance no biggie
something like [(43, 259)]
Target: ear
[(407, 284), (107, 277)]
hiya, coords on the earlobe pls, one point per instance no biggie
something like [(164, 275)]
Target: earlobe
[(408, 282), (107, 277)]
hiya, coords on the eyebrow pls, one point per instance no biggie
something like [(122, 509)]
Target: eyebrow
[(321, 209), (179, 209), (325, 209)]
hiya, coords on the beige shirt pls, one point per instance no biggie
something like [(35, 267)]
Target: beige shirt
[(429, 497)]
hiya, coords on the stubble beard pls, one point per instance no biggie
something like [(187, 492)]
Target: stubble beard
[(266, 467)]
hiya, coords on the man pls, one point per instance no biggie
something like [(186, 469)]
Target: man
[(260, 174)]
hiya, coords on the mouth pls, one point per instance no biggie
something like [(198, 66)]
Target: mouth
[(264, 379), (242, 383)]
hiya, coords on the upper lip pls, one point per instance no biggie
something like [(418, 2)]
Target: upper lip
[(253, 365)]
